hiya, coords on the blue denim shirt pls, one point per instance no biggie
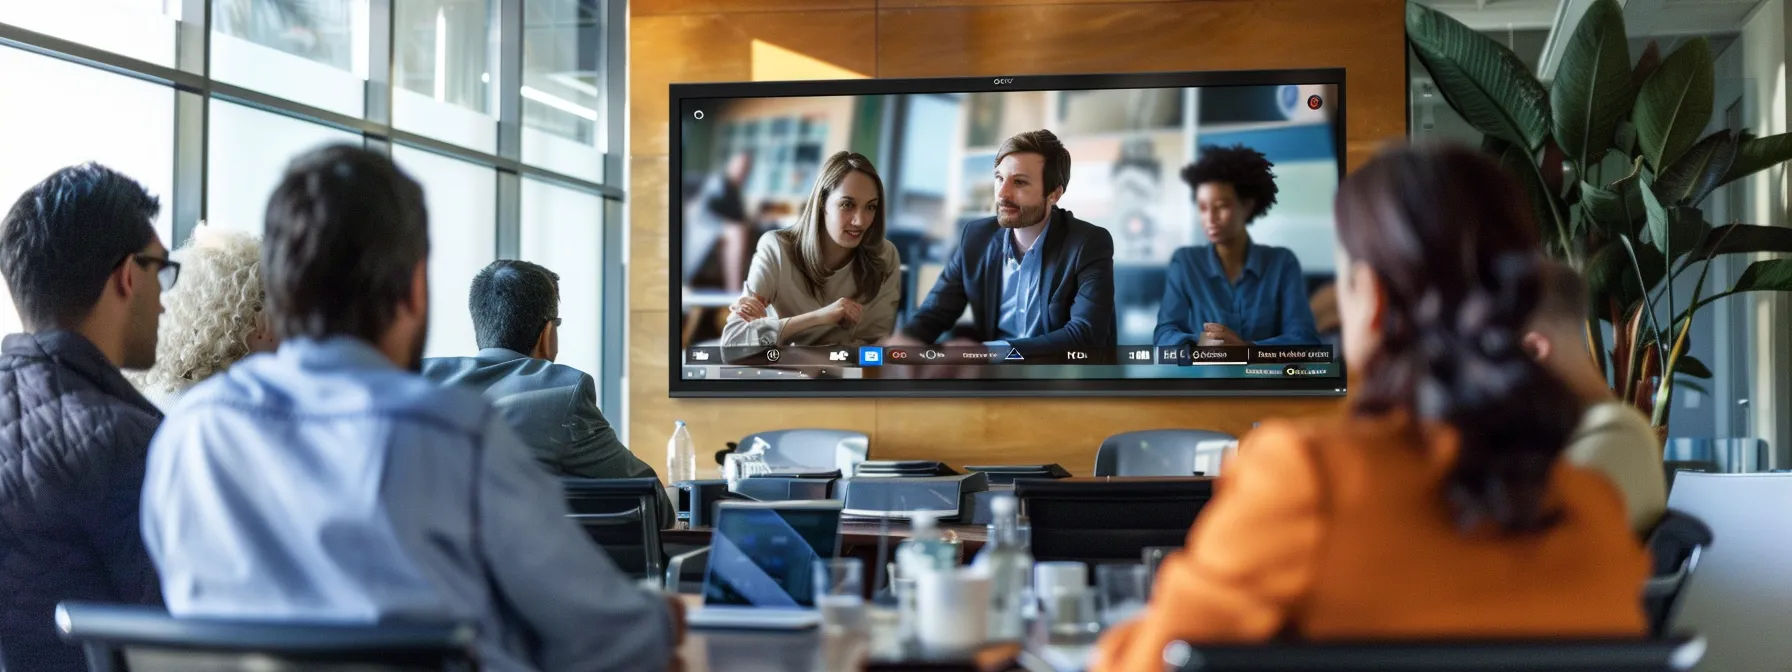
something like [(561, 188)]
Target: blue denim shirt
[(1021, 314), (323, 483), (1267, 306)]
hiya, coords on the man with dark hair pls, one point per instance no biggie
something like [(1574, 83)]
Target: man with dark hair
[(328, 481), (1613, 437), (1037, 279), (86, 270), (552, 407)]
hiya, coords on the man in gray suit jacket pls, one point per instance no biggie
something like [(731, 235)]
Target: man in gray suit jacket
[(553, 407)]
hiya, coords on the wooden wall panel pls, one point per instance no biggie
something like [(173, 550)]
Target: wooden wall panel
[(711, 40)]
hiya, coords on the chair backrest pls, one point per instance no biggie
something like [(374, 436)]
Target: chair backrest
[(134, 638), (823, 449), (1109, 521), (1675, 545), (1156, 452), (1739, 596), (1464, 656), (622, 515)]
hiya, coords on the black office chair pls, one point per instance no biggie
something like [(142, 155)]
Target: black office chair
[(1675, 546), (623, 516), (1157, 452), (1109, 521), (1459, 656), (134, 638)]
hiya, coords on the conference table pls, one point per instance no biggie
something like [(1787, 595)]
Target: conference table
[(882, 649)]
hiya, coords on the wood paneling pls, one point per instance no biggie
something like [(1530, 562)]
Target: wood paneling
[(712, 40)]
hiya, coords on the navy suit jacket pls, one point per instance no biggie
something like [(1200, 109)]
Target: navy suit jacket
[(1076, 288)]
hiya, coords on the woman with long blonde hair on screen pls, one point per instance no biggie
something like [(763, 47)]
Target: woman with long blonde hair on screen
[(1438, 505), (831, 279)]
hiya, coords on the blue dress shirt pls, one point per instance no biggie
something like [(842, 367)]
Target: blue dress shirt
[(1267, 306), (1021, 317), (323, 483)]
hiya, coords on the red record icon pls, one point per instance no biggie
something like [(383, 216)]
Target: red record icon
[(1314, 102)]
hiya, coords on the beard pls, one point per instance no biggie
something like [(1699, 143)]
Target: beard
[(141, 337), (415, 362), (1024, 217)]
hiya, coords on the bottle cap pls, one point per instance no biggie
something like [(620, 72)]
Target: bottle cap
[(1003, 505), (924, 519)]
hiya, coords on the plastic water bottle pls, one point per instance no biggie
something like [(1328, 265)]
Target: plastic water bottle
[(1009, 563), (681, 456)]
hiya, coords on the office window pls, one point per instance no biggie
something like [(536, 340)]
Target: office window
[(446, 70), (310, 51), (140, 29), (563, 85), (562, 229), (463, 205), (94, 116), (248, 151)]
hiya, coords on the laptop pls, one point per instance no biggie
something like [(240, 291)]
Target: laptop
[(761, 564)]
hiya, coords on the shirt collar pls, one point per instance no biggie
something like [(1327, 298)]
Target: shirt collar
[(333, 352), (1254, 259), (499, 355), (1013, 251)]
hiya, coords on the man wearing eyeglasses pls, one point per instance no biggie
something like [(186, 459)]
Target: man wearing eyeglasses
[(86, 270), (552, 407)]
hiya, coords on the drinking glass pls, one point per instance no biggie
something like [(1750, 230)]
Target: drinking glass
[(1124, 590), (840, 594)]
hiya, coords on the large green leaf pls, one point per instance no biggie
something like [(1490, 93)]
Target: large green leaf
[(1773, 275), (1699, 171), (1481, 79), (1610, 277), (1659, 230), (1613, 211), (1675, 104), (1689, 366), (1592, 91), (1754, 155), (1744, 238), (1687, 228), (1544, 207), (1646, 64)]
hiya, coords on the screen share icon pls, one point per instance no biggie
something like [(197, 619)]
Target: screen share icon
[(871, 355)]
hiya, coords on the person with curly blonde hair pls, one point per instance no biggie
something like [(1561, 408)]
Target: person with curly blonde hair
[(213, 318)]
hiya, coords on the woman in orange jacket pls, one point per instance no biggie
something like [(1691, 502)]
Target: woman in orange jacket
[(1437, 506)]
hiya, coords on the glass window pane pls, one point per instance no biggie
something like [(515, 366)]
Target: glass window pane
[(563, 86), (447, 71), (562, 229), (311, 51), (248, 152), (463, 238), (140, 29), (93, 116)]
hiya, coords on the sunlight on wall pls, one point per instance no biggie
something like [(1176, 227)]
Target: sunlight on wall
[(773, 63)]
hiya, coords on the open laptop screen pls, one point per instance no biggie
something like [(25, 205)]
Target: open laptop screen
[(764, 557)]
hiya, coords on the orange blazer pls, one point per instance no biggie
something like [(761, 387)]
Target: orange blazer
[(1336, 529)]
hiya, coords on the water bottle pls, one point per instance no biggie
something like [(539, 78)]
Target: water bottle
[(925, 551), (681, 456), (1009, 563)]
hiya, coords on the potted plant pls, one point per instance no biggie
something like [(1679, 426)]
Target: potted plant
[(1612, 159)]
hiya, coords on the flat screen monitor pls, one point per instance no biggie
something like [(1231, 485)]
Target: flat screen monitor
[(1140, 234), (764, 554)]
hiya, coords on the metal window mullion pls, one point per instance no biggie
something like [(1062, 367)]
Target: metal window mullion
[(612, 345), (510, 79), (191, 121), (615, 103), (377, 101)]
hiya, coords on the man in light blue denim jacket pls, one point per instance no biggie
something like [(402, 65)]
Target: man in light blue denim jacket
[(329, 482)]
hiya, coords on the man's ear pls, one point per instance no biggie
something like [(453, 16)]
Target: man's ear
[(123, 281), (418, 302), (1537, 345), (1051, 199)]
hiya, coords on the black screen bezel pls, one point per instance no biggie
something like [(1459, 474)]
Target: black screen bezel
[(683, 94)]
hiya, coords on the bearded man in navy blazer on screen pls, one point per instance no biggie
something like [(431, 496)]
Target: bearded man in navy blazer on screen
[(1036, 278)]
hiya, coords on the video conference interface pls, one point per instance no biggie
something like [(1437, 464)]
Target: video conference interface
[(931, 236)]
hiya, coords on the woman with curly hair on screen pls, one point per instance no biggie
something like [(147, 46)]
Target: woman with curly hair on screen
[(1233, 291), (213, 318)]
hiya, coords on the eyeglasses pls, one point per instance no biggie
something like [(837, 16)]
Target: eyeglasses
[(167, 270)]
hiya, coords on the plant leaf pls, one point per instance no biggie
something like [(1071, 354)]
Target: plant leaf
[(1646, 64), (1675, 103), (1754, 155), (1699, 171), (1689, 384), (1610, 277), (1688, 366), (1605, 210), (1659, 232), (1742, 238), (1481, 79), (1592, 91), (1517, 163), (1773, 275), (1687, 229)]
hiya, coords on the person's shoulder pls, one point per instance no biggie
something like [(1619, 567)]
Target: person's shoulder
[(1084, 228), (1183, 256), (889, 252), (441, 369), (1614, 417), (771, 242), (267, 384)]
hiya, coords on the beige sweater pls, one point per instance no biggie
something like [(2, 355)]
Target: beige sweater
[(1616, 440), (787, 295)]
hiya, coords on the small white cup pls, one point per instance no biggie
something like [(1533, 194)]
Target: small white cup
[(953, 609)]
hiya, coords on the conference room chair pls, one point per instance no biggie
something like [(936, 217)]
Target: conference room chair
[(1738, 597), (1675, 546), (135, 638), (812, 449), (1729, 455), (1109, 521), (1160, 452), (622, 515), (1437, 656)]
